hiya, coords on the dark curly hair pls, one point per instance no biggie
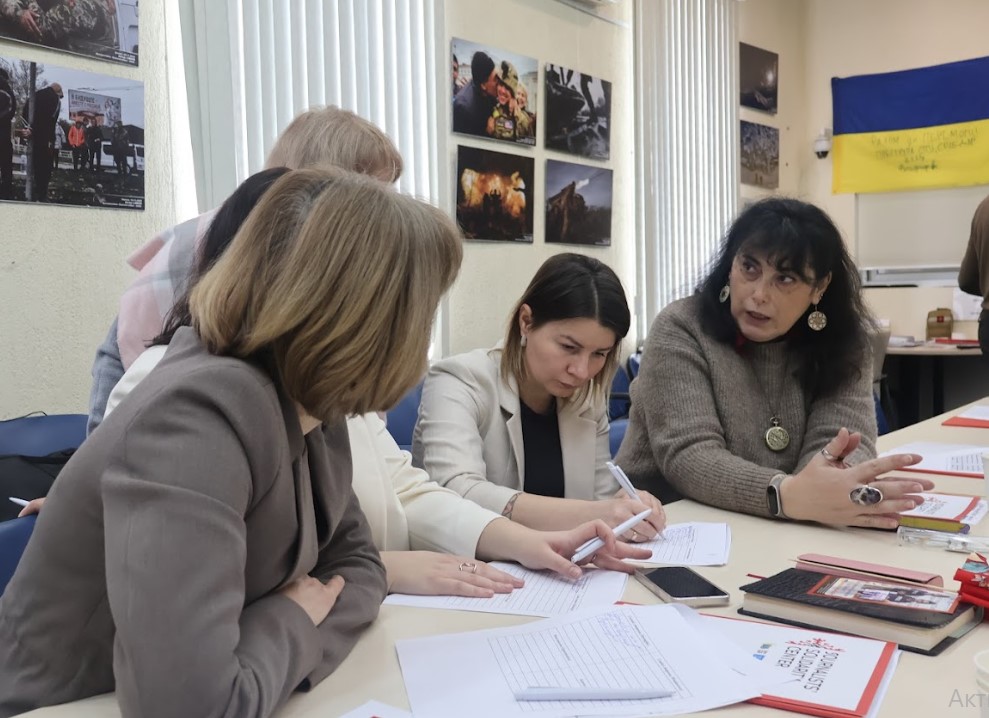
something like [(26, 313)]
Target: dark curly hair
[(800, 238)]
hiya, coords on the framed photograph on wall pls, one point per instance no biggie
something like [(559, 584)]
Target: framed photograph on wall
[(100, 29), (758, 75), (494, 195), (77, 137), (760, 156), (578, 204), (494, 93), (578, 113)]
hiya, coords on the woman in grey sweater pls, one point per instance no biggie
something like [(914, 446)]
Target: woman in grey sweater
[(754, 394)]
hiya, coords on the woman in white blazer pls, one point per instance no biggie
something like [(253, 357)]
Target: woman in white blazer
[(522, 428)]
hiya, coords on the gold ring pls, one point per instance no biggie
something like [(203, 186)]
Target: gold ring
[(635, 534), (468, 565)]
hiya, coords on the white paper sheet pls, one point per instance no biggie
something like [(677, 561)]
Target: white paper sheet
[(978, 411), (951, 507), (964, 459), (965, 307), (618, 647), (544, 594), (816, 667), (376, 709), (691, 544)]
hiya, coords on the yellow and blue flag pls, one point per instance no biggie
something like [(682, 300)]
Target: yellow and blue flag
[(912, 129)]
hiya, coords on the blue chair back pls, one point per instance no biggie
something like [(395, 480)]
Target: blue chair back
[(42, 435), (620, 402), (402, 419), (632, 365), (14, 535), (615, 435)]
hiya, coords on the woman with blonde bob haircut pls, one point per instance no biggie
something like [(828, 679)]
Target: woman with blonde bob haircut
[(522, 428), (207, 535), (327, 309)]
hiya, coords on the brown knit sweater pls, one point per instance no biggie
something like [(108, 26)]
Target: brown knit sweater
[(700, 410)]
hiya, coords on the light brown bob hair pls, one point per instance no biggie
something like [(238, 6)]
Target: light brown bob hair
[(571, 286), (333, 280), (338, 138)]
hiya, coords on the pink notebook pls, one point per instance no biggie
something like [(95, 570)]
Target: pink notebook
[(850, 568)]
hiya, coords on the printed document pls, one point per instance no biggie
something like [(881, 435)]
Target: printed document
[(544, 594), (958, 459), (647, 647), (690, 544), (843, 675), (375, 709)]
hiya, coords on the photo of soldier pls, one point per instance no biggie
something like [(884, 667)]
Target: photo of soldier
[(760, 155), (758, 78), (98, 120), (8, 109), (578, 113), (494, 195), (103, 29), (493, 93), (578, 204)]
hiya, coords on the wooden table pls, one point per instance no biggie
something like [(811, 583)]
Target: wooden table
[(922, 686)]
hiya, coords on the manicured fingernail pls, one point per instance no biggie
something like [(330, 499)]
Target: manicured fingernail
[(574, 572)]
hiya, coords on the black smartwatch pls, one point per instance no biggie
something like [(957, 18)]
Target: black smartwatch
[(773, 497)]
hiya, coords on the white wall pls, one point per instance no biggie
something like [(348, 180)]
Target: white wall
[(838, 38), (495, 274), (62, 268)]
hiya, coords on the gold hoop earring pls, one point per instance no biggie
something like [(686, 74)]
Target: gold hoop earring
[(817, 319), (724, 294)]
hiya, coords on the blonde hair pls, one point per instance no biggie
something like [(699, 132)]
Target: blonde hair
[(571, 286), (335, 137), (333, 279)]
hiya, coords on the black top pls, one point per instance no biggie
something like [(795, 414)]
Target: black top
[(543, 455)]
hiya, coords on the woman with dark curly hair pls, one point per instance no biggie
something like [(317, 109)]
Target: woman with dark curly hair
[(755, 393)]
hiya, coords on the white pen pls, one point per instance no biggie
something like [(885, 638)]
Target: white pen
[(19, 502), (595, 543), (589, 693), (622, 478)]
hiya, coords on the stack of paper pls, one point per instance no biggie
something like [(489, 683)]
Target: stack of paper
[(691, 544), (544, 594), (620, 647), (938, 458)]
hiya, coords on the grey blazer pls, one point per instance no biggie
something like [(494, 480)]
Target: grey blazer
[(469, 434), (154, 564)]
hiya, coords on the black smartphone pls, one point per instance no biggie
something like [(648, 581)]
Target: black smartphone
[(682, 585)]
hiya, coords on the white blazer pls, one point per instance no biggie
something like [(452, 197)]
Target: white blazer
[(406, 511), (469, 434)]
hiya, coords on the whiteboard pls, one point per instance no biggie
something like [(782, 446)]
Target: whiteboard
[(924, 228)]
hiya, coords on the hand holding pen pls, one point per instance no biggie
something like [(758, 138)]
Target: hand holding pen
[(657, 520)]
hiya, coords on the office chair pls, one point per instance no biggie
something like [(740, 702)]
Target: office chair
[(401, 420), (14, 535), (619, 402), (885, 411), (42, 435)]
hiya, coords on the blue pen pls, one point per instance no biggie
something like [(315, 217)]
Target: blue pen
[(622, 478)]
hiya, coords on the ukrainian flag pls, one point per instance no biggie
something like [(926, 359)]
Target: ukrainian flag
[(912, 129)]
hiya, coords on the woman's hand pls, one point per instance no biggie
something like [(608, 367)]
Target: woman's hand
[(313, 596), (553, 549), (821, 491), (652, 525), (33, 507), (427, 573)]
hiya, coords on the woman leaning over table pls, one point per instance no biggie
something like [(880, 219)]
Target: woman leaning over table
[(522, 428), (203, 552), (419, 526), (746, 387)]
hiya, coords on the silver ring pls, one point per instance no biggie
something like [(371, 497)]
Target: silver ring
[(468, 566), (831, 457), (867, 495)]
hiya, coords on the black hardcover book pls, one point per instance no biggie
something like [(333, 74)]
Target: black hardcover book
[(920, 618)]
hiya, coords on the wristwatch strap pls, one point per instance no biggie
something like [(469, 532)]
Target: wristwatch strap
[(774, 498)]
